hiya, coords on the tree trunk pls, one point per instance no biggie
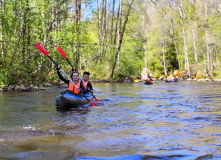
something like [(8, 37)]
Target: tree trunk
[(196, 13), (196, 29), (2, 31), (43, 23), (164, 59), (173, 37), (104, 30), (25, 34), (207, 43), (187, 68), (120, 39), (112, 23), (115, 31), (145, 42), (193, 33), (99, 30), (77, 20), (119, 32), (194, 45)]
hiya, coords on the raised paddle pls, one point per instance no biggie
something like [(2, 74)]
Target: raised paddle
[(44, 51), (64, 55)]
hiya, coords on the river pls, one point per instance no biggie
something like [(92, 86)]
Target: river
[(180, 120)]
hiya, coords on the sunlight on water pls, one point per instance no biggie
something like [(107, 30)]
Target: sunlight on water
[(133, 121)]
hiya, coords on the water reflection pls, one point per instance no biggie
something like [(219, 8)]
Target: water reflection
[(136, 121)]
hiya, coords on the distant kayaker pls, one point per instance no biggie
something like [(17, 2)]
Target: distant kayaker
[(75, 79), (89, 87), (171, 77), (149, 79)]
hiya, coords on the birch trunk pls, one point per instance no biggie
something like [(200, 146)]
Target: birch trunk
[(119, 32), (194, 44), (187, 68), (207, 43), (111, 35), (173, 37), (112, 23), (145, 42), (105, 24), (43, 23), (164, 59), (99, 30), (26, 35), (196, 29), (77, 20), (2, 32), (120, 39), (115, 31)]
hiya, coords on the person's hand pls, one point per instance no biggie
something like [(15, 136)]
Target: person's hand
[(88, 88), (73, 69), (58, 67), (80, 90)]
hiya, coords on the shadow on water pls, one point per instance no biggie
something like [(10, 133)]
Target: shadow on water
[(133, 121)]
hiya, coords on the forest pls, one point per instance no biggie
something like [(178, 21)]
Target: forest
[(109, 38)]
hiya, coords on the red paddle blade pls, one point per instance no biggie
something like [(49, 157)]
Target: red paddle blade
[(92, 104), (97, 99), (42, 49), (62, 52)]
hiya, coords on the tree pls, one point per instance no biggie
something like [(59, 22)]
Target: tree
[(120, 37)]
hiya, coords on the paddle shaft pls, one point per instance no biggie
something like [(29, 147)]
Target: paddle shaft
[(44, 51), (81, 79), (68, 78), (79, 75), (64, 55), (63, 72), (74, 84)]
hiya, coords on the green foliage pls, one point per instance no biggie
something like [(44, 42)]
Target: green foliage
[(52, 23), (199, 75), (3, 74)]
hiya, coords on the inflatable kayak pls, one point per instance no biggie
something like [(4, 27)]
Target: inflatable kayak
[(68, 100), (149, 81), (170, 80)]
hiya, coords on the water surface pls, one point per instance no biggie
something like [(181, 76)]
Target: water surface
[(134, 121)]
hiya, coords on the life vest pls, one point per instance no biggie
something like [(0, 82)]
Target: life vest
[(85, 87), (72, 88)]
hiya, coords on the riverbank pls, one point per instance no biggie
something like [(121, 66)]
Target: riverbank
[(216, 80), (47, 86), (22, 88)]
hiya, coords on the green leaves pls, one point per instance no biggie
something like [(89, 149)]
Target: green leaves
[(148, 34)]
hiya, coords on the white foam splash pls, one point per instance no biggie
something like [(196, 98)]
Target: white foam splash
[(29, 128)]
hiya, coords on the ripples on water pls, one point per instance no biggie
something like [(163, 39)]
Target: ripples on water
[(134, 121)]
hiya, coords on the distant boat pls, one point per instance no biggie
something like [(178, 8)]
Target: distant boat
[(172, 80), (137, 80), (149, 81)]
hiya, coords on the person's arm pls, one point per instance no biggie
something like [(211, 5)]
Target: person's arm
[(89, 87), (62, 78), (82, 87)]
